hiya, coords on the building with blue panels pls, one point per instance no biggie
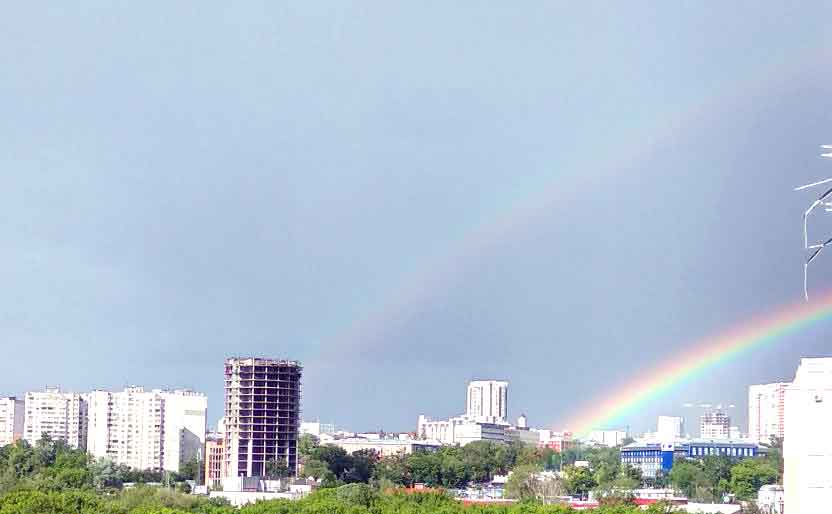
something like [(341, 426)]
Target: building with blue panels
[(652, 457)]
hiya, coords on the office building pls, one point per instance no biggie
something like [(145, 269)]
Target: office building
[(262, 414), (669, 428), (158, 429), (714, 425), (59, 415), (766, 411), (807, 443), (11, 420), (654, 456), (487, 401)]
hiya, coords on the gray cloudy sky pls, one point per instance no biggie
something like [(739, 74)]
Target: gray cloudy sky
[(405, 196)]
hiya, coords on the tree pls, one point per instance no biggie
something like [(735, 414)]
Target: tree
[(687, 477), (717, 472), (306, 445), (315, 468), (426, 468), (775, 455), (748, 475), (362, 465), (105, 474), (520, 484), (335, 457), (191, 469), (277, 468), (578, 480), (452, 470), (393, 469)]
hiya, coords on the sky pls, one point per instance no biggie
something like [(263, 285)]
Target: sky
[(407, 195)]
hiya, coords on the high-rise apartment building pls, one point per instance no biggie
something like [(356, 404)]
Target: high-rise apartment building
[(487, 401), (670, 428), (11, 420), (766, 411), (262, 414), (807, 443), (156, 429), (57, 414), (715, 425)]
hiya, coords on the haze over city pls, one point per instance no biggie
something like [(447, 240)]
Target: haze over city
[(407, 197)]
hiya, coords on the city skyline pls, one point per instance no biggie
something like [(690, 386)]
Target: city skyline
[(403, 197)]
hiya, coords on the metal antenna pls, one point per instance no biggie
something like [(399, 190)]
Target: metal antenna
[(822, 200)]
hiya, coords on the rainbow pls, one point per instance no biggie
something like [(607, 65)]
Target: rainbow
[(702, 356), (363, 333)]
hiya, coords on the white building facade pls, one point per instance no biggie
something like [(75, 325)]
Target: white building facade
[(11, 420), (460, 430), (59, 415), (670, 428), (807, 445), (766, 411), (609, 438), (715, 425), (487, 401), (157, 429)]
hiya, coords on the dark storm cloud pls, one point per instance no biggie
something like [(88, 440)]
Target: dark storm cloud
[(181, 184)]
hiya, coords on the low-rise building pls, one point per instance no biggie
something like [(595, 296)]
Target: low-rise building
[(771, 499), (214, 460), (460, 430), (609, 438), (316, 428), (385, 447), (558, 441), (652, 456)]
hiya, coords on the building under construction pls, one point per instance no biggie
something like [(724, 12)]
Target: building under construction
[(262, 414)]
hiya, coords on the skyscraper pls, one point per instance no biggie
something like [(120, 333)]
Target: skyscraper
[(766, 411), (715, 425), (262, 414), (487, 401), (59, 415)]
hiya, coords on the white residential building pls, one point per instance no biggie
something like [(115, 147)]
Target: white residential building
[(715, 425), (766, 411), (147, 429), (807, 445), (487, 401), (670, 428), (11, 420), (460, 430), (61, 416)]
